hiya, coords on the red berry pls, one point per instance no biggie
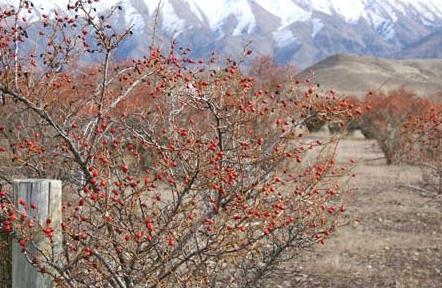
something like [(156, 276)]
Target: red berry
[(124, 168)]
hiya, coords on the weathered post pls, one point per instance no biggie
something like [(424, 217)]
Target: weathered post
[(46, 196)]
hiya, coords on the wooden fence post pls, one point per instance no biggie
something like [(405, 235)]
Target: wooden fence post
[(46, 195)]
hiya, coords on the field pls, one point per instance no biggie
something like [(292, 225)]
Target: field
[(194, 164), (394, 235)]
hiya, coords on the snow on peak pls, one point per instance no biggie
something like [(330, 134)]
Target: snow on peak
[(287, 10), (240, 15), (216, 12)]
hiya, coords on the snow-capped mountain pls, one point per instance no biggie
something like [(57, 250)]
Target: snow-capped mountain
[(296, 31)]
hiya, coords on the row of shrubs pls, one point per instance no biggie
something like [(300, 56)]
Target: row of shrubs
[(407, 128)]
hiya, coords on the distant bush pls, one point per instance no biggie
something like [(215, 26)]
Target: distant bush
[(408, 129), (270, 76), (423, 146), (384, 118)]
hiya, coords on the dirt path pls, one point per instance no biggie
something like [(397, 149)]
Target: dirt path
[(398, 242)]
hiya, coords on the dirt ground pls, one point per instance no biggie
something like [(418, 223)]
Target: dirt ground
[(397, 242)]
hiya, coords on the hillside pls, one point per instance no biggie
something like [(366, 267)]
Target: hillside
[(356, 75)]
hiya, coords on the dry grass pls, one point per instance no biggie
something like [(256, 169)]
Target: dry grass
[(397, 240)]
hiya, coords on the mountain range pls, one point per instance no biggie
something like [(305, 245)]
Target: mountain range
[(300, 32)]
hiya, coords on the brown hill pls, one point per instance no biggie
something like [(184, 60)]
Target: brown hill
[(356, 75)]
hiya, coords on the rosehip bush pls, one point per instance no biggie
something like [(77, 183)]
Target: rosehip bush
[(268, 75), (408, 129), (176, 172), (384, 117), (423, 147)]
